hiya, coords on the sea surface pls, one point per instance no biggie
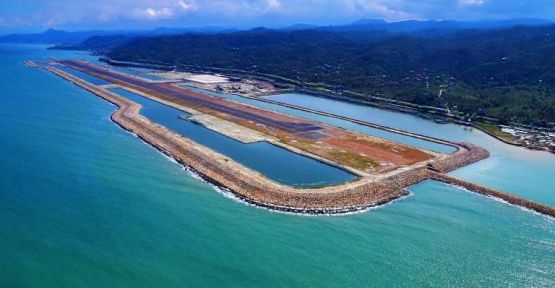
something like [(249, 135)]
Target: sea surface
[(85, 204), (512, 169)]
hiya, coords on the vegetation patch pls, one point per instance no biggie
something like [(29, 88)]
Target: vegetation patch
[(495, 130), (354, 160)]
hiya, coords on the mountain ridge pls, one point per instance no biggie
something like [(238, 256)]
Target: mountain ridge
[(500, 73), (53, 36)]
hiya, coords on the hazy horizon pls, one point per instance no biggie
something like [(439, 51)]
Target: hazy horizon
[(248, 27), (33, 16)]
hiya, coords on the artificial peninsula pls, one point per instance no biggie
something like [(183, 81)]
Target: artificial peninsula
[(383, 168)]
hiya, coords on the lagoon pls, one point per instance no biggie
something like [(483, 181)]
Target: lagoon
[(276, 163), (395, 137), (511, 169)]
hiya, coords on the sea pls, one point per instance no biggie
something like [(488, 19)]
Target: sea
[(85, 204)]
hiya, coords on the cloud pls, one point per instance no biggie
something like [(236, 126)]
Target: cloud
[(471, 2), (169, 11), (251, 7), (187, 5), (114, 14), (274, 4), (152, 13), (383, 9)]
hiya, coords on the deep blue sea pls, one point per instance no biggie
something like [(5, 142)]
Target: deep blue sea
[(85, 204)]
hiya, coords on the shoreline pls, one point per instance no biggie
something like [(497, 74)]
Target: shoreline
[(406, 110), (499, 138), (509, 142), (253, 188), (385, 104)]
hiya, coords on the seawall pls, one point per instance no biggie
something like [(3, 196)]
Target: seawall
[(254, 188), (247, 184), (515, 200), (467, 154)]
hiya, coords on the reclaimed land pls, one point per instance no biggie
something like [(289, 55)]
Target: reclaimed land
[(254, 188), (362, 154)]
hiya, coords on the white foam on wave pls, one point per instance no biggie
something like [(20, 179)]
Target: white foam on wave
[(230, 195), (190, 171)]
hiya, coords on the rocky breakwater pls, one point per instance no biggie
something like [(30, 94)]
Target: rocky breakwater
[(465, 155), (254, 188), (512, 199), (249, 185), (468, 154)]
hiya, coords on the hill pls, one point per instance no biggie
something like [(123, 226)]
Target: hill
[(506, 74)]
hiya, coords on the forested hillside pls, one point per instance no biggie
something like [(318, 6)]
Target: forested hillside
[(507, 74)]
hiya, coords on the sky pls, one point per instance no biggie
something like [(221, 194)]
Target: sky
[(37, 15)]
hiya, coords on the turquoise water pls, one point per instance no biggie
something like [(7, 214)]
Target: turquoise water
[(275, 162), (85, 204), (512, 169), (419, 143)]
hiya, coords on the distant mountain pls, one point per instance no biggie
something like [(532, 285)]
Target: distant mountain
[(432, 27), (376, 28), (65, 38), (300, 26), (98, 44), (174, 31), (53, 36), (368, 21)]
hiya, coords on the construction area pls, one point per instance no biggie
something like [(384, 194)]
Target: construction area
[(384, 168), (359, 153), (221, 84)]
